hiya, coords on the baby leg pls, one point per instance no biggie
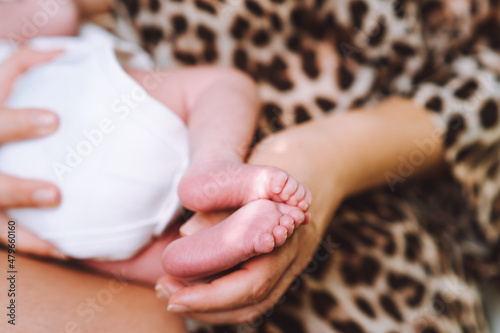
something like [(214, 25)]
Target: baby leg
[(221, 122), (220, 108), (256, 228), (20, 20)]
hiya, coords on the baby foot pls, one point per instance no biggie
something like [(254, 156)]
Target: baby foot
[(256, 228), (222, 185)]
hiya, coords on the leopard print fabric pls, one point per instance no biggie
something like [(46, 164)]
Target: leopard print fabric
[(404, 259)]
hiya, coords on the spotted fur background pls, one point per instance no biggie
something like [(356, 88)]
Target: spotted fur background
[(408, 260)]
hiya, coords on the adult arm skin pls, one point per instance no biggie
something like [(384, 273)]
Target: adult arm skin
[(53, 298), (335, 157)]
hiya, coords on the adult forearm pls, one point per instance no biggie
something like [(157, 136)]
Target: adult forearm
[(388, 144), (343, 154), (334, 156)]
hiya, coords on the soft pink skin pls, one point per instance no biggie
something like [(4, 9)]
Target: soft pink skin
[(243, 295), (220, 108), (256, 228), (64, 19), (274, 204), (219, 185)]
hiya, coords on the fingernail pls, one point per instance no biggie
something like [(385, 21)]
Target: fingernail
[(45, 121), (171, 288), (162, 293), (45, 196), (186, 230), (177, 308), (58, 254)]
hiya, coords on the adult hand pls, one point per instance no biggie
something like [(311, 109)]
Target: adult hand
[(330, 157), (16, 125), (258, 284), (247, 293)]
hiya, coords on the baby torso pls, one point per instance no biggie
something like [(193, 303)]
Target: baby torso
[(117, 156)]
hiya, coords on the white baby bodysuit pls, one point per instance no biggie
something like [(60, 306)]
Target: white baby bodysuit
[(117, 156)]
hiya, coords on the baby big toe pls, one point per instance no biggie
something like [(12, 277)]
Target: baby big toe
[(265, 243), (278, 181)]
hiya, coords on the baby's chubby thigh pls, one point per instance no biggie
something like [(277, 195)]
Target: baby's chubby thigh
[(36, 18), (165, 87)]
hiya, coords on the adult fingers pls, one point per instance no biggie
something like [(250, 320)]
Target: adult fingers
[(24, 241), (244, 315), (17, 193), (244, 295), (248, 285), (23, 124), (249, 313), (19, 63), (16, 125)]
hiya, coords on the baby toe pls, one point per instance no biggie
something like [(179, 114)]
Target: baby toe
[(307, 217), (280, 234), (306, 201), (265, 243), (297, 215), (278, 181), (298, 196), (289, 224), (289, 189)]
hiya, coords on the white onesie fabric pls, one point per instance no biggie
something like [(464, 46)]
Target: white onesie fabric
[(117, 156)]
